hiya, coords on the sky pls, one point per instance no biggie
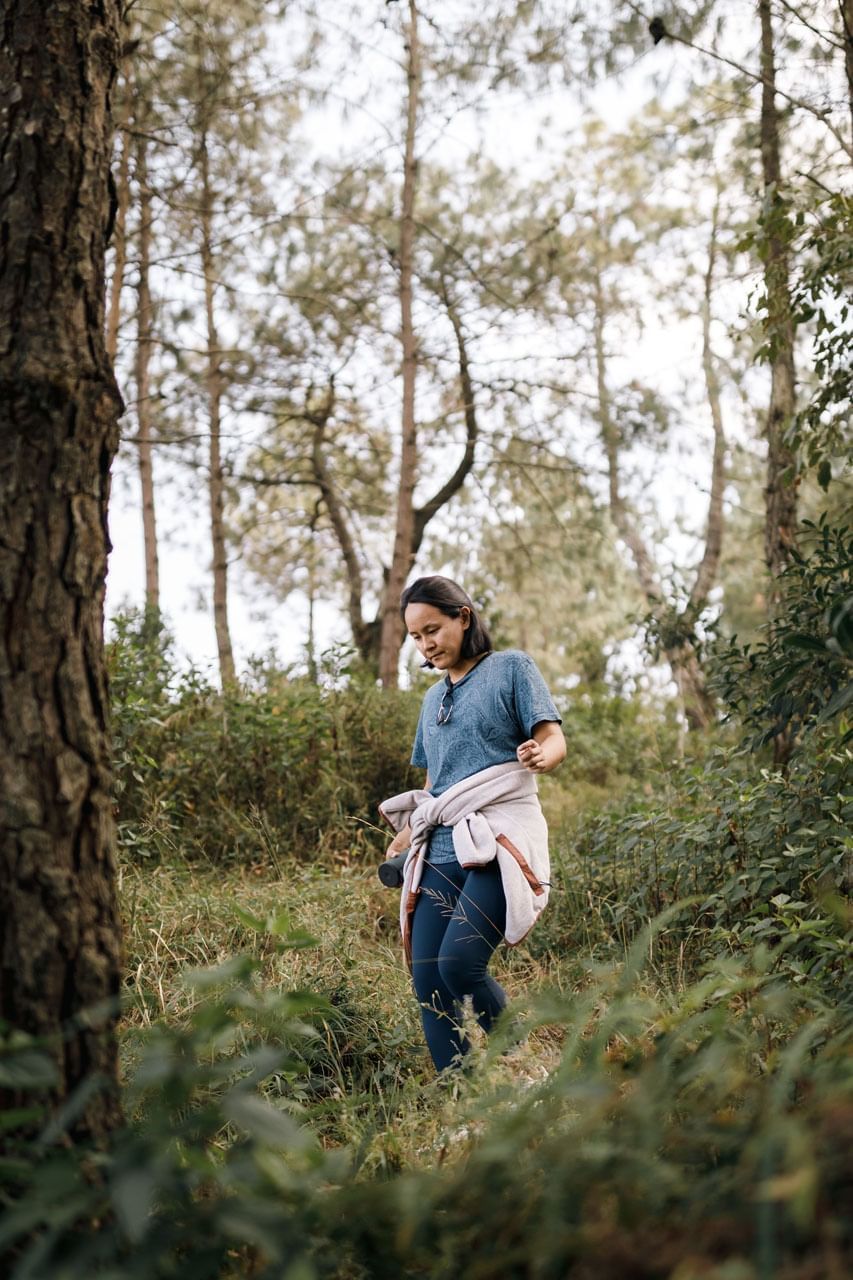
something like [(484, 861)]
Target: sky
[(503, 127)]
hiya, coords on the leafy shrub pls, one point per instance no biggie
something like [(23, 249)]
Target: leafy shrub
[(766, 854), (281, 769), (763, 855), (801, 674), (672, 1138)]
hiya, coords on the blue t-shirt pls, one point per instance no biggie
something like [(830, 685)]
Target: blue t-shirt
[(495, 708)]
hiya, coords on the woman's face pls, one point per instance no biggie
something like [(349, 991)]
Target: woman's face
[(437, 636)]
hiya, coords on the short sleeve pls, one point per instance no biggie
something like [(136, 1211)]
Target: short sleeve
[(419, 759), (533, 701)]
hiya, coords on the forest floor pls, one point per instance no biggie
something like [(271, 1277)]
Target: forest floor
[(180, 919)]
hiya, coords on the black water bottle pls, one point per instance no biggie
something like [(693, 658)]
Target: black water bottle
[(390, 871)]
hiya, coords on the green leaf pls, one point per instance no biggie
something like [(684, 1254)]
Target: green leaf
[(133, 1198), (824, 474), (839, 700), (28, 1069), (251, 922), (265, 1124), (799, 640)]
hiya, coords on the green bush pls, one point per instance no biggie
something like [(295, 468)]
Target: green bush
[(763, 855), (278, 769), (708, 1135), (800, 675), (281, 768)]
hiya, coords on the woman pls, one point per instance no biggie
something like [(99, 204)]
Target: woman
[(477, 869)]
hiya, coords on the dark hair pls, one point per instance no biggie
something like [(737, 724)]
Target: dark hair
[(448, 596)]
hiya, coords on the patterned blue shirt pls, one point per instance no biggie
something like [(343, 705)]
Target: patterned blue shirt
[(495, 708)]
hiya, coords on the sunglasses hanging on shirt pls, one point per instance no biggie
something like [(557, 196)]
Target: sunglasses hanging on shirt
[(445, 707)]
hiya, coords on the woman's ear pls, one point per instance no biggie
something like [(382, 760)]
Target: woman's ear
[(465, 617)]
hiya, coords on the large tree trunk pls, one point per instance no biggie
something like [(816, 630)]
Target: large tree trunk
[(214, 401), (401, 560), (144, 330), (59, 924), (780, 493)]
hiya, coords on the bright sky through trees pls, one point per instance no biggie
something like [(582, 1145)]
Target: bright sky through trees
[(352, 94)]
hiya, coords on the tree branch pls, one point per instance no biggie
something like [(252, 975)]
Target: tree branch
[(424, 514)]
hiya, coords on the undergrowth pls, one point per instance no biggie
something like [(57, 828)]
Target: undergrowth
[(670, 1097)]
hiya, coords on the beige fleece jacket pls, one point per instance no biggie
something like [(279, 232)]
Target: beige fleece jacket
[(494, 814)]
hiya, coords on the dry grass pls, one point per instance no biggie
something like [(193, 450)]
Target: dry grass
[(380, 1091)]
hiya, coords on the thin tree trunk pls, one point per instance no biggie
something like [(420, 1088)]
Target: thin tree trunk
[(214, 400), (401, 560), (424, 514), (311, 644), (684, 665), (846, 8), (367, 634), (144, 320), (364, 634), (610, 435), (120, 234), (59, 924), (780, 493), (706, 574)]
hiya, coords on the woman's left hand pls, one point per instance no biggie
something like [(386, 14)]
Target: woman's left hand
[(544, 751), (531, 755)]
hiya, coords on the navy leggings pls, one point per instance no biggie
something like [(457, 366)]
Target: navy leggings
[(458, 921)]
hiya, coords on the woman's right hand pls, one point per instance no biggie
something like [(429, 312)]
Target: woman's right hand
[(401, 841)]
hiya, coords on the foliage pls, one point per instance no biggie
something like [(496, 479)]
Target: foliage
[(713, 1128), (674, 1102), (284, 769), (821, 432), (800, 674), (762, 856)]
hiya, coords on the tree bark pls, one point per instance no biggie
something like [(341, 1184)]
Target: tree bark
[(214, 401), (780, 492), (144, 321), (401, 560), (59, 923)]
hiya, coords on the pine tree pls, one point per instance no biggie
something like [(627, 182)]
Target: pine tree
[(60, 936)]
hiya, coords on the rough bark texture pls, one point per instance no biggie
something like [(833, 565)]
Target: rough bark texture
[(214, 401), (401, 560), (59, 925), (780, 493), (144, 328)]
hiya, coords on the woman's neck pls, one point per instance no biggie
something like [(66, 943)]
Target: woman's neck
[(459, 672)]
